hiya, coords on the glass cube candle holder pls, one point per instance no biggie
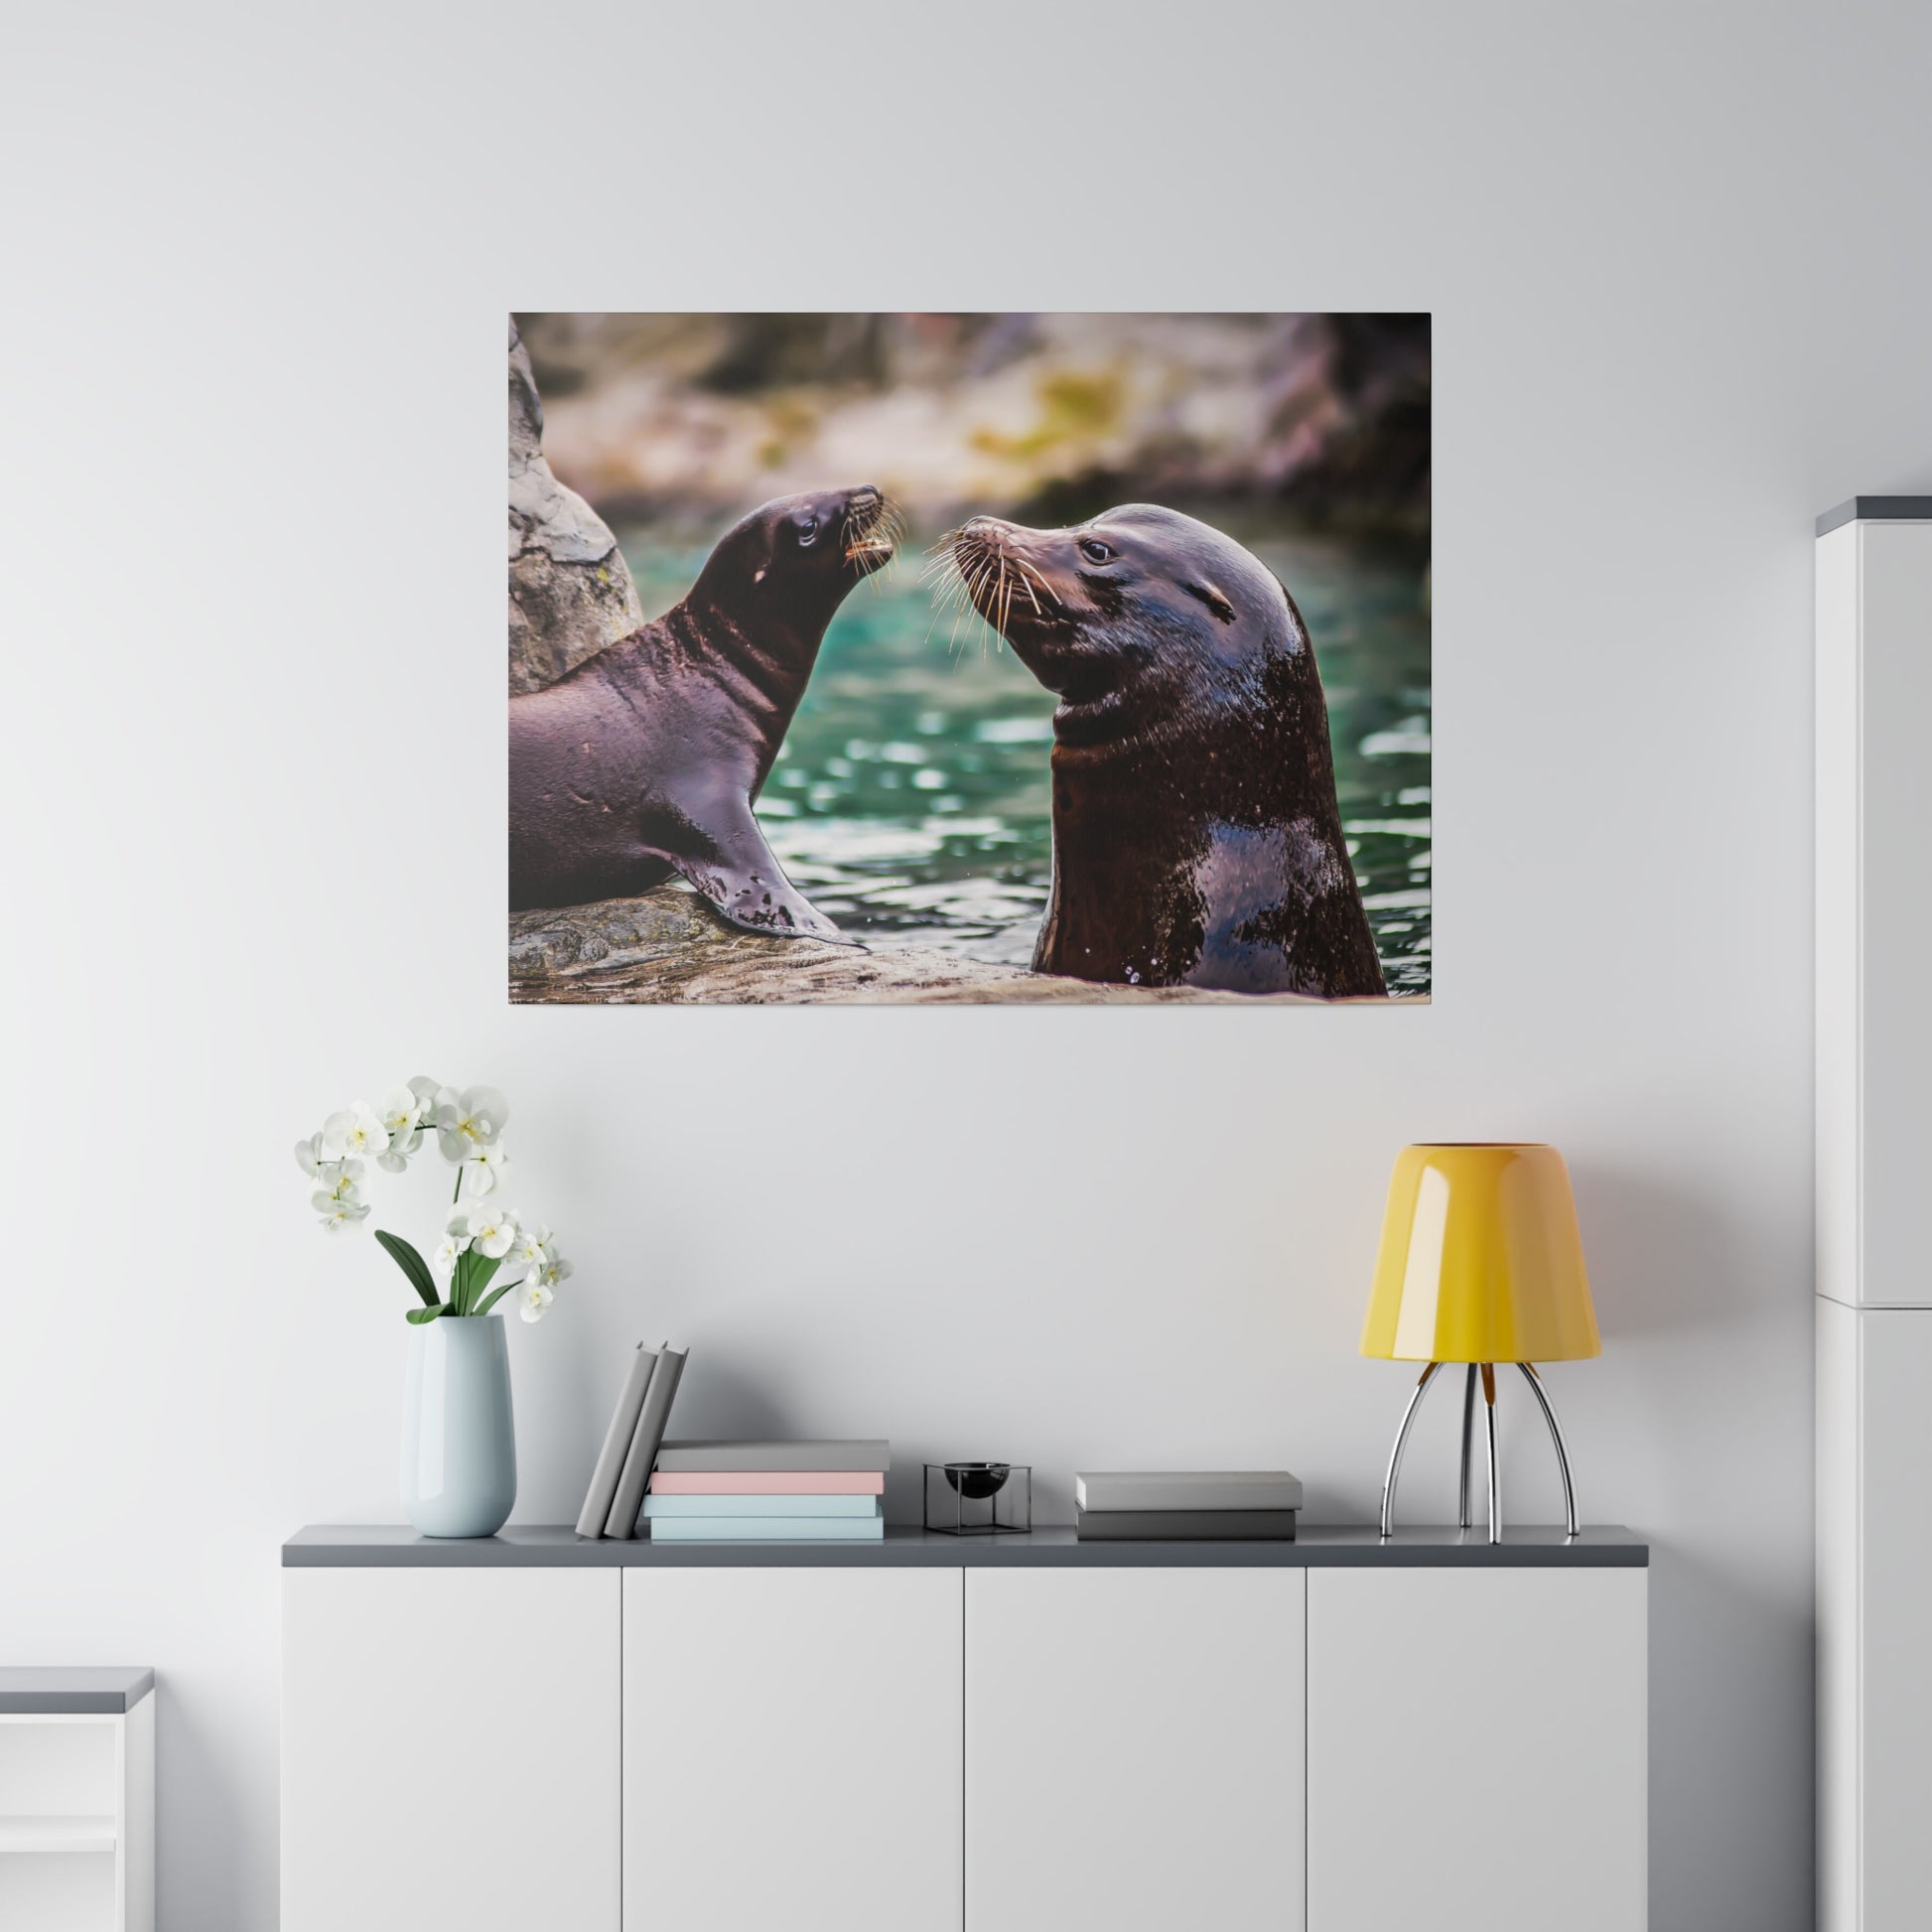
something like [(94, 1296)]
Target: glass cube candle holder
[(979, 1498)]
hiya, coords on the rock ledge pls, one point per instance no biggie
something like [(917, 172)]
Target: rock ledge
[(670, 948)]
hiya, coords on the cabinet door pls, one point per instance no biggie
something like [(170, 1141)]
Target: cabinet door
[(1134, 1750), (791, 1750), (1476, 1744), (1894, 1761), (449, 1749)]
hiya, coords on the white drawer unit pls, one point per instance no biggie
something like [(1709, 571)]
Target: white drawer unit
[(1020, 1733), (76, 1800), (1873, 1144)]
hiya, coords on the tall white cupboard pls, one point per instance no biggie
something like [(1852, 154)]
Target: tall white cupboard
[(1873, 1212)]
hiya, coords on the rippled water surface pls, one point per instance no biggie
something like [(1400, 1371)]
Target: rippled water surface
[(910, 799)]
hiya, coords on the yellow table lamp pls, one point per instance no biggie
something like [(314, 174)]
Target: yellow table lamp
[(1480, 1263)]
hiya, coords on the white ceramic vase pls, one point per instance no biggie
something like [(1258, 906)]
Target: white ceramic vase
[(459, 1439)]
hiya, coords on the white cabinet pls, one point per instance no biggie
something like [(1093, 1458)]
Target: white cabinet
[(1477, 1749), (791, 1752), (536, 1734), (76, 1815), (1875, 1153), (449, 1749), (1134, 1750)]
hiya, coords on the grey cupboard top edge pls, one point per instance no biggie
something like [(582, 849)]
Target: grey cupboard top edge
[(1877, 509), (77, 1689), (1316, 1546)]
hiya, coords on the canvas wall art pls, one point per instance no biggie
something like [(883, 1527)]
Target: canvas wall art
[(988, 658)]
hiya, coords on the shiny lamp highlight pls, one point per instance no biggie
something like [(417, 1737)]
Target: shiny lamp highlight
[(1481, 1263)]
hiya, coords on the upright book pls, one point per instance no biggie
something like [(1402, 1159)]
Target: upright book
[(603, 1491), (645, 1443)]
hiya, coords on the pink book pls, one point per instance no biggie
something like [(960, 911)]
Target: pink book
[(769, 1483)]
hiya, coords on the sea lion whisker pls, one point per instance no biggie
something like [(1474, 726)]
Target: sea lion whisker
[(1038, 579)]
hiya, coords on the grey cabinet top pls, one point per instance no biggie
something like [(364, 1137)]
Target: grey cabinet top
[(1317, 1546), (1877, 510), (62, 1690)]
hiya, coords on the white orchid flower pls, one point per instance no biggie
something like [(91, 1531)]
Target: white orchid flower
[(491, 1231), (531, 1300), (340, 1181), (341, 1213), (469, 1121), (488, 1171), (400, 1111), (308, 1155), (444, 1260), (358, 1130), (533, 1247), (401, 1114), (552, 1271)]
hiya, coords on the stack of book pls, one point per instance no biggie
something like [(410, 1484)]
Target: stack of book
[(617, 1492), (778, 1492), (1227, 1505)]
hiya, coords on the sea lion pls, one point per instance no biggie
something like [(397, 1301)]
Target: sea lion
[(1196, 836), (644, 760)]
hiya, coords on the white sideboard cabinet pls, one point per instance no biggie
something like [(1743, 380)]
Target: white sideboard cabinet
[(1874, 592), (1020, 1733)]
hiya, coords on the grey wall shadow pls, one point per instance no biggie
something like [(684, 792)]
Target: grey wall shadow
[(205, 1843), (1664, 1259)]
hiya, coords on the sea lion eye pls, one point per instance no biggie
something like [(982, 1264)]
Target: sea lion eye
[(808, 530), (1094, 551)]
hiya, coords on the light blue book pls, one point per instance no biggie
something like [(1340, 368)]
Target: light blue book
[(768, 1529), (663, 1506)]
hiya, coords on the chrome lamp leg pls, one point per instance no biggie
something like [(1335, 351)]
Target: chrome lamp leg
[(1495, 1467), (1401, 1439), (1463, 1517), (1556, 1435)]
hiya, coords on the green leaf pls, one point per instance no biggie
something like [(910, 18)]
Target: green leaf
[(420, 1316), (482, 1269), (412, 1265), (495, 1296)]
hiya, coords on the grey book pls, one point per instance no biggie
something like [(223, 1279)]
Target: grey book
[(616, 1444), (1189, 1489), (644, 1441), (739, 1458), (1186, 1526)]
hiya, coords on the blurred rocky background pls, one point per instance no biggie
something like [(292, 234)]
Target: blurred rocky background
[(1045, 417)]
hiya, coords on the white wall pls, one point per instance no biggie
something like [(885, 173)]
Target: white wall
[(252, 601)]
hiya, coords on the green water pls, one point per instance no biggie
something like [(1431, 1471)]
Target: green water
[(910, 804)]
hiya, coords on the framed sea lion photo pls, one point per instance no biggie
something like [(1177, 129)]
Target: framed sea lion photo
[(981, 659)]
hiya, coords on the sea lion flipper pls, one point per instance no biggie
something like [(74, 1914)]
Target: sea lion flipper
[(744, 880)]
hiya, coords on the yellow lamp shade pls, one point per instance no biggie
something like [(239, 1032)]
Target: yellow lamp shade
[(1480, 1260)]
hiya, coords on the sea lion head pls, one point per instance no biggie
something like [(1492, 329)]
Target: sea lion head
[(795, 557), (1137, 618)]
